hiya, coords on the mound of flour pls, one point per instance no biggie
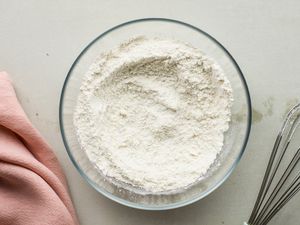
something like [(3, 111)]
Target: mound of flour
[(152, 113)]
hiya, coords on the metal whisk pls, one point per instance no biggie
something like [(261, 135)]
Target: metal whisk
[(281, 180)]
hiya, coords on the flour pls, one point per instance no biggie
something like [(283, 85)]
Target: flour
[(152, 113)]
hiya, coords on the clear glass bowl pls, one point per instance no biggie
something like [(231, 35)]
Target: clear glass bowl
[(235, 138)]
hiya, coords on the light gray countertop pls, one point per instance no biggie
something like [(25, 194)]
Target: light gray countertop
[(39, 40)]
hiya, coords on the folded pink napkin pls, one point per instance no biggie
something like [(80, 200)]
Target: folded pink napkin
[(33, 189)]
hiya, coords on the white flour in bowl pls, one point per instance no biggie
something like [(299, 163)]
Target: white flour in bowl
[(152, 113)]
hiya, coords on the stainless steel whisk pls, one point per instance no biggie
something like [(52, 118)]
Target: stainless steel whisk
[(281, 180)]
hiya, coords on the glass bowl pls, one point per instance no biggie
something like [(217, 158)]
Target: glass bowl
[(235, 138)]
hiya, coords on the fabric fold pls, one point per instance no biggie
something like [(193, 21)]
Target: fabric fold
[(33, 188)]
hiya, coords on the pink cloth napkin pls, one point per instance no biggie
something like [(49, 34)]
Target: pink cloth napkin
[(33, 189)]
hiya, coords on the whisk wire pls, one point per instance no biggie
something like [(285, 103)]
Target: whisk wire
[(279, 185), (269, 200), (262, 190), (283, 199)]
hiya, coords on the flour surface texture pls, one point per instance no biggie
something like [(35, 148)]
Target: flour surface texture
[(152, 113)]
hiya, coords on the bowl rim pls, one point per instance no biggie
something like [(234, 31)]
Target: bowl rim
[(176, 204)]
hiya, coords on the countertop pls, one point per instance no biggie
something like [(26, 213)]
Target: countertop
[(39, 40)]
